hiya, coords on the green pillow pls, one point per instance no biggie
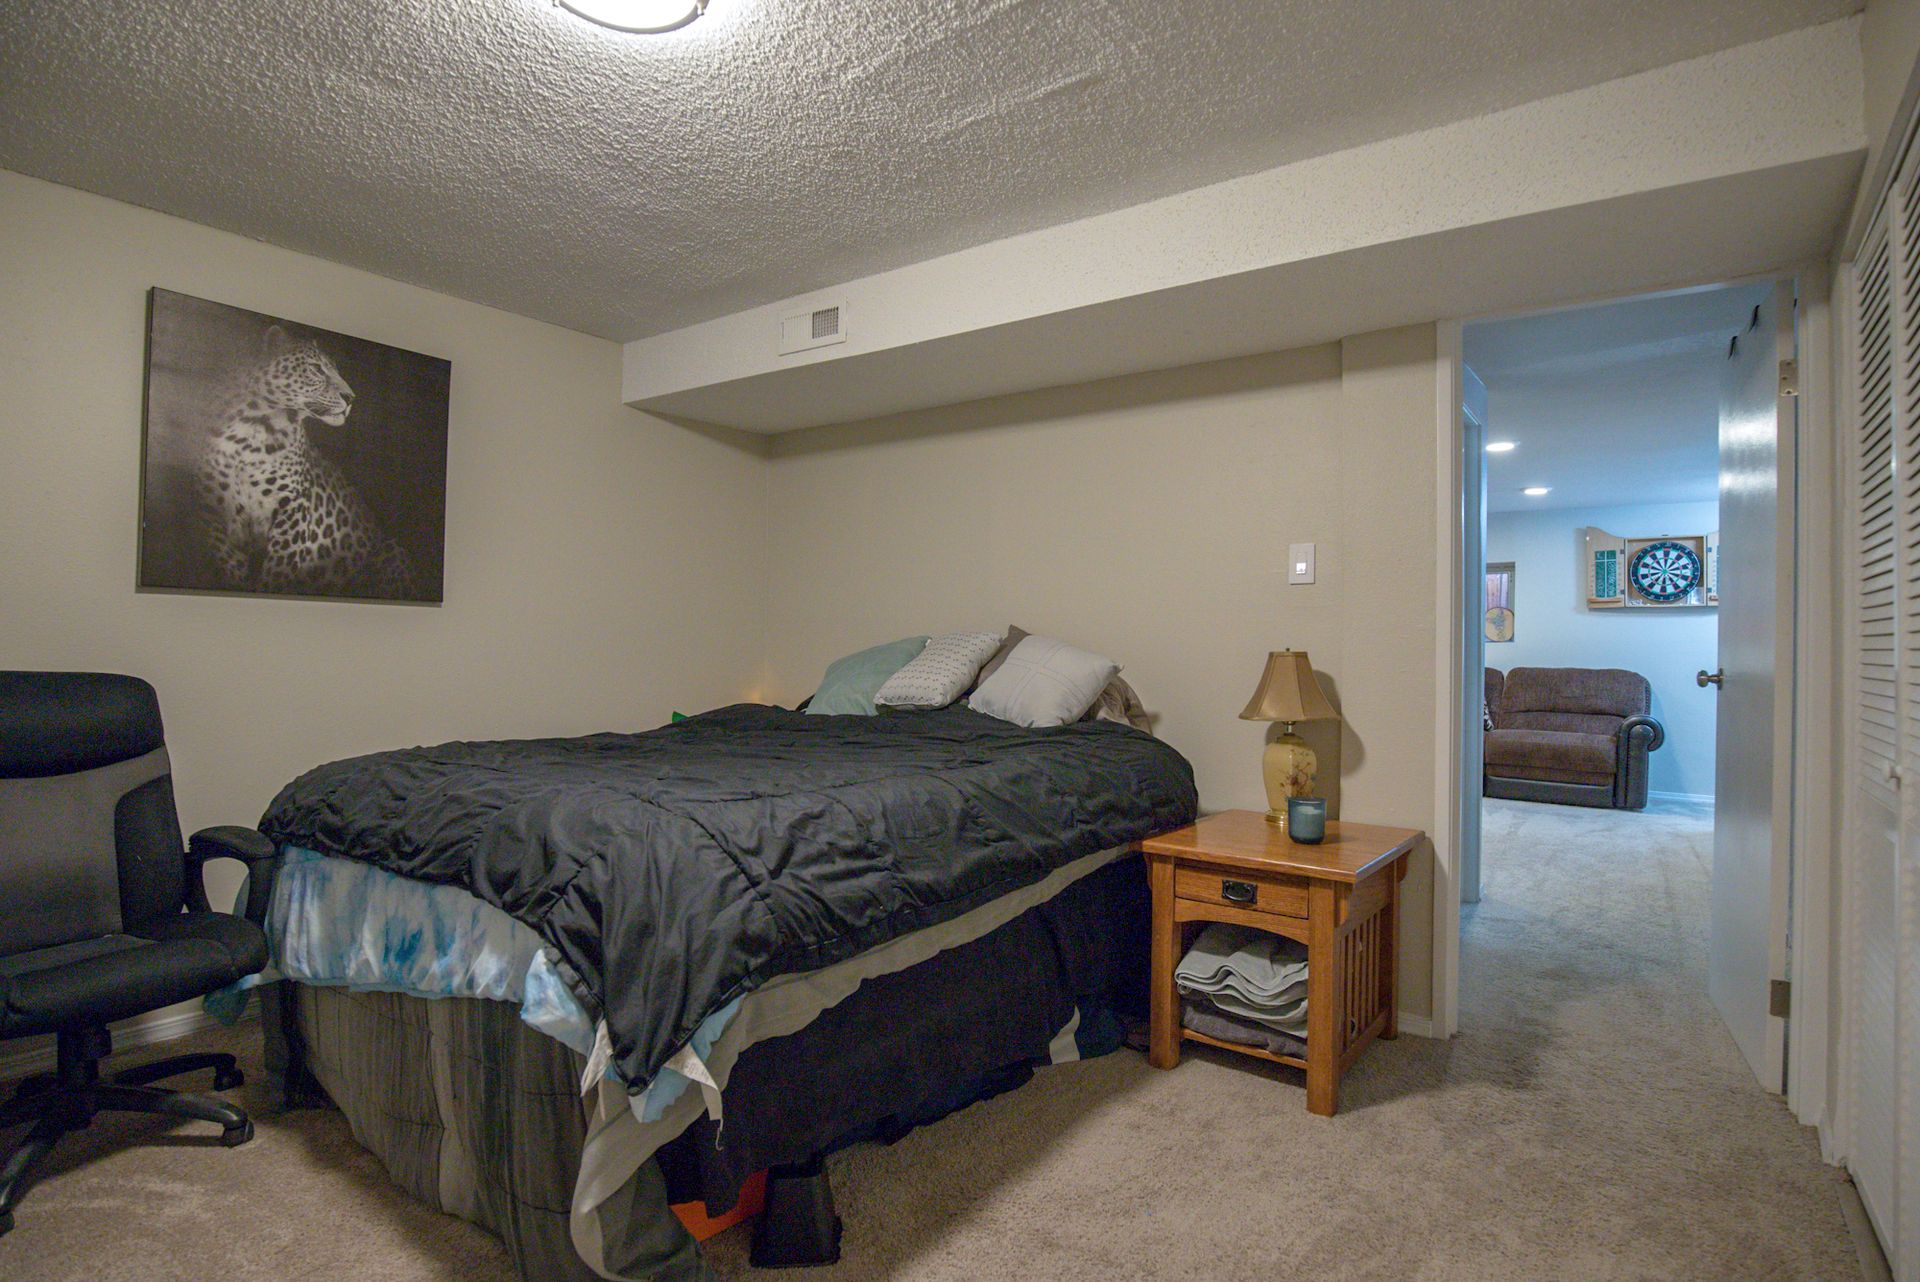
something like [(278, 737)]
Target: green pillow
[(850, 684)]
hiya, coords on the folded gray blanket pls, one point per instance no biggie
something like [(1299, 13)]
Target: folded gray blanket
[(1248, 973), (1203, 1017)]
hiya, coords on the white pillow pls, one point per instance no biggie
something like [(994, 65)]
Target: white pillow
[(941, 673), (1044, 683)]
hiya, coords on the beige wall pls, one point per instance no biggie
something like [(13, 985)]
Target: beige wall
[(1148, 517), (602, 567), (1889, 48), (1889, 44), (605, 567)]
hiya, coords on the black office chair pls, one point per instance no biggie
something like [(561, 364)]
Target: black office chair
[(102, 914)]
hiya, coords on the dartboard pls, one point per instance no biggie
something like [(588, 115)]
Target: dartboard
[(1665, 571)]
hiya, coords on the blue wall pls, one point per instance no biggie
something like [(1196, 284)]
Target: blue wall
[(1554, 629)]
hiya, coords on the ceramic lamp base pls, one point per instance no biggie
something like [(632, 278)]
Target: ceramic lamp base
[(1289, 766)]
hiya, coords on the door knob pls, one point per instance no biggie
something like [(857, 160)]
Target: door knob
[(1714, 678)]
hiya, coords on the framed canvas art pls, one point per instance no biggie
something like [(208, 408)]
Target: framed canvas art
[(283, 459), (1499, 596)]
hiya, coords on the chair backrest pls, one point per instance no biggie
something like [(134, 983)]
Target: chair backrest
[(1584, 700), (89, 838)]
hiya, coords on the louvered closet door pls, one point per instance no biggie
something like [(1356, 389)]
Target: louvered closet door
[(1893, 967), (1886, 555)]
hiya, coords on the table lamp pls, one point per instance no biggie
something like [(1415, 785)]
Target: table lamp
[(1288, 693)]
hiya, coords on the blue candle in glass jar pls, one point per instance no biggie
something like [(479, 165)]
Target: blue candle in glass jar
[(1307, 820)]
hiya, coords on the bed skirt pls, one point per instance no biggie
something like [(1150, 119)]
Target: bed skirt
[(477, 1114), (470, 1110)]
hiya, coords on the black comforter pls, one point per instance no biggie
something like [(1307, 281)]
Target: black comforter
[(676, 870)]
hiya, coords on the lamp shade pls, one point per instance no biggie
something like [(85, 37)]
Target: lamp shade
[(1289, 691)]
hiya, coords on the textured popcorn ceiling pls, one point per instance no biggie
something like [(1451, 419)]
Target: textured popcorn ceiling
[(507, 152)]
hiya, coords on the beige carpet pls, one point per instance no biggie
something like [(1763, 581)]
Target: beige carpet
[(1593, 1120)]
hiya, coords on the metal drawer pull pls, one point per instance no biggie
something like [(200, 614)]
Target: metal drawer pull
[(1237, 892)]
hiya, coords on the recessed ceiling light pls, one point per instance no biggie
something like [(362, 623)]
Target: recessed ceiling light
[(641, 17), (1499, 447), (1535, 491)]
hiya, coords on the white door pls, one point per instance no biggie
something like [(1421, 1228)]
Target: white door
[(1753, 727), (1473, 738)]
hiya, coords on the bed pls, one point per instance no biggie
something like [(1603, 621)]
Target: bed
[(661, 962)]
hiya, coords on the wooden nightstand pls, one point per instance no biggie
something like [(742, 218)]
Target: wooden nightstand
[(1340, 898)]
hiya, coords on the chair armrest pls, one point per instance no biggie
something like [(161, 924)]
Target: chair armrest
[(251, 848), (1639, 736), (1643, 728), (230, 841)]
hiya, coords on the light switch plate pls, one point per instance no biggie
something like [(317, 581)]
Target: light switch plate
[(1300, 563)]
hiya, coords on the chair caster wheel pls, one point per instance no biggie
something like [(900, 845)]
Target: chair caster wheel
[(235, 1136), (228, 1079)]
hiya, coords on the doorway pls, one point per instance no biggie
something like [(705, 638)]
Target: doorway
[(1628, 766)]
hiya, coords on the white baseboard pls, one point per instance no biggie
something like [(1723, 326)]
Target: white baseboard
[(1415, 1025), (1694, 798), (1867, 1245), (36, 1054)]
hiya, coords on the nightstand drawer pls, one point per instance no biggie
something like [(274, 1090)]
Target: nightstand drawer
[(1256, 892)]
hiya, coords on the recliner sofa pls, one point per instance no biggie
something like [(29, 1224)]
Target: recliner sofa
[(1571, 736)]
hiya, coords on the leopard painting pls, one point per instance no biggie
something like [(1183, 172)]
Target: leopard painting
[(281, 516)]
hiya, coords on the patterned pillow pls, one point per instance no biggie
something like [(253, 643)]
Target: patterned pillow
[(941, 673)]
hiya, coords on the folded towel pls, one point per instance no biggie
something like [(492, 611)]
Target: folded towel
[(1202, 1016), (1233, 985), (1249, 973), (1291, 1018), (1263, 961)]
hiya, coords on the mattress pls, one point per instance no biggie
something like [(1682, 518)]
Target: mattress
[(675, 873)]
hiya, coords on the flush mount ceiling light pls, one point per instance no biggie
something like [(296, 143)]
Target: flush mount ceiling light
[(1499, 447), (639, 17), (1537, 491)]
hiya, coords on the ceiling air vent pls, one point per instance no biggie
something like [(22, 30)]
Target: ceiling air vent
[(821, 327)]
